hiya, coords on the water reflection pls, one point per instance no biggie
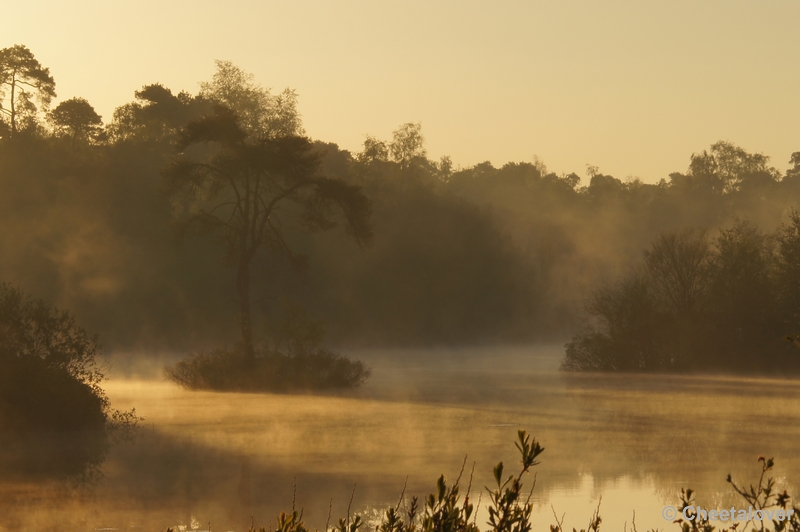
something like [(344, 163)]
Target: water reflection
[(222, 458)]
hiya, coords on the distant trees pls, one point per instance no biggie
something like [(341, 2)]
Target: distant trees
[(260, 113), (76, 119), (678, 265), (156, 115), (407, 144), (730, 167), (625, 334), (787, 273), (23, 81), (460, 254), (727, 305)]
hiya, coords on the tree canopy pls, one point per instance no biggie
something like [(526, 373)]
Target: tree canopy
[(460, 254), (76, 119), (242, 189), (23, 81)]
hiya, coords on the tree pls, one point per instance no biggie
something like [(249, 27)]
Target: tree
[(23, 79), (730, 167), (626, 332), (407, 144), (56, 419), (77, 119), (374, 150), (244, 190), (678, 264), (260, 113), (795, 160), (741, 295), (156, 115), (788, 271)]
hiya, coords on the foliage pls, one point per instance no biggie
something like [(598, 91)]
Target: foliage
[(509, 507), (446, 510), (23, 80), (248, 191), (677, 263), (763, 496), (290, 360), (157, 115), (261, 114), (55, 417), (407, 144), (76, 119), (731, 167), (461, 254), (724, 304), (626, 336)]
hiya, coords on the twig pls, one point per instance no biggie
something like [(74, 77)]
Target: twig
[(402, 493), (533, 485), (351, 503), (555, 515), (463, 465), (471, 473), (294, 492), (477, 508)]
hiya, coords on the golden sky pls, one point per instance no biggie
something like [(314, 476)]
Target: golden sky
[(633, 87)]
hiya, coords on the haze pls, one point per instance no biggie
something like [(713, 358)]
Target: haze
[(631, 87), (314, 244)]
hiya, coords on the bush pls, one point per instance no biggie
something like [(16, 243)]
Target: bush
[(725, 304), (55, 419), (627, 334), (231, 370), (290, 360)]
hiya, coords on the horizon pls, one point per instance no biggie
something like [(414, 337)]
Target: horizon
[(631, 89)]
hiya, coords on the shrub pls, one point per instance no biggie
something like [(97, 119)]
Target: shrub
[(447, 510), (228, 369), (627, 335), (725, 304), (510, 507), (290, 360), (55, 419)]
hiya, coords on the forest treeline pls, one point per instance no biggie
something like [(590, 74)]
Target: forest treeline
[(459, 255), (699, 303)]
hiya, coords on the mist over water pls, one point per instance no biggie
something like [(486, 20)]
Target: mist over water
[(211, 243), (224, 457)]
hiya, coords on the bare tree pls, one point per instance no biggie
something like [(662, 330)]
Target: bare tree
[(678, 265)]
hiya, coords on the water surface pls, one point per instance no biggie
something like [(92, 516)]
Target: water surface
[(231, 459)]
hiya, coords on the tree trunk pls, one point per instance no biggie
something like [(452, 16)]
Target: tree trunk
[(13, 107), (243, 289)]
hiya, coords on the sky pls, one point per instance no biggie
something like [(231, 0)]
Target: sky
[(632, 87)]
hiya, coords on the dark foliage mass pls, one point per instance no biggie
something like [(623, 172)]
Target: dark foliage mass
[(290, 361), (458, 256), (699, 303), (55, 419)]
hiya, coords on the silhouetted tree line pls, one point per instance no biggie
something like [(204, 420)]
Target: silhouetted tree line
[(459, 255), (699, 303)]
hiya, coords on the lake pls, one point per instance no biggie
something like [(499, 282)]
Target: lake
[(232, 459)]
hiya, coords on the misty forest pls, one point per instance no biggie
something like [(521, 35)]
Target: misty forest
[(208, 318)]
